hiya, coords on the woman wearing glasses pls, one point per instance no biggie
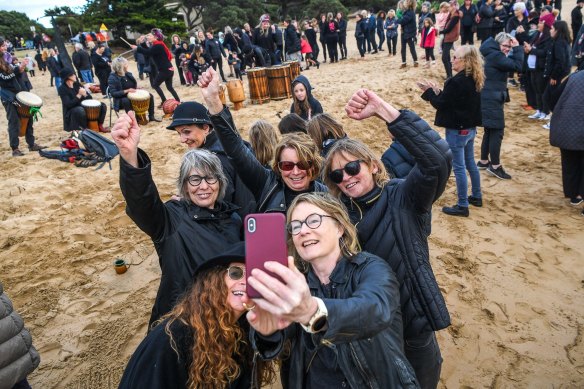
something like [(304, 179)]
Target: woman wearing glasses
[(296, 163), (342, 318), (393, 218), (187, 232), (201, 343)]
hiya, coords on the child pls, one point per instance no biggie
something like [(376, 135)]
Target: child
[(390, 27), (31, 65), (197, 63), (234, 61), (184, 64), (306, 50), (304, 104), (441, 19), (428, 40)]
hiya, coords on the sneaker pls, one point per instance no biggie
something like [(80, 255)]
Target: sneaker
[(476, 201), (456, 210), (17, 153), (575, 201), (483, 166), (536, 115), (512, 82), (546, 126), (36, 147), (498, 172), (547, 117)]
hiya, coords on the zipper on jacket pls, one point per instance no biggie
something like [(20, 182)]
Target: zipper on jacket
[(268, 196), (359, 209), (360, 366)]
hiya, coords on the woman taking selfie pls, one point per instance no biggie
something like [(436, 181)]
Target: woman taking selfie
[(342, 315), (185, 232), (296, 163), (202, 342), (393, 218)]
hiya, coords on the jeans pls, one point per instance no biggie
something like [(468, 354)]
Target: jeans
[(342, 46), (58, 82), (371, 41), (491, 145), (423, 353), (296, 56), (462, 147), (381, 35), (331, 45), (87, 76)]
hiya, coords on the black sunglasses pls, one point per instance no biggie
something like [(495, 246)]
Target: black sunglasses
[(286, 166), (196, 180), (236, 273), (351, 168)]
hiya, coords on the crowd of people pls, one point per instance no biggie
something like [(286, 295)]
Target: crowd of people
[(358, 304)]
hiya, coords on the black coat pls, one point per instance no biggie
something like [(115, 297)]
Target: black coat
[(398, 162), (361, 29), (557, 60), (315, 106), (184, 235), (342, 28), (364, 328), (468, 15), (487, 14), (81, 60), (214, 48), (291, 39), (69, 101), (101, 66), (566, 129), (267, 187), (576, 16), (458, 105), (157, 55), (55, 66), (540, 50), (394, 223), (117, 84), (265, 41), (408, 25)]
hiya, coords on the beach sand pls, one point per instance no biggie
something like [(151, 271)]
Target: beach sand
[(511, 273)]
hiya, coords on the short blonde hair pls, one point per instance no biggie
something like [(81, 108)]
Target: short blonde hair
[(306, 150), (444, 4), (263, 139)]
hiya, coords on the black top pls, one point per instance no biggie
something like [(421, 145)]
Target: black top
[(69, 101), (157, 54), (81, 60)]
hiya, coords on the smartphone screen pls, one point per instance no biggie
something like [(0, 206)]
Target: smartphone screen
[(265, 240)]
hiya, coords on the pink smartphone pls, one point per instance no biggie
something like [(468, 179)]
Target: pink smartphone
[(265, 240)]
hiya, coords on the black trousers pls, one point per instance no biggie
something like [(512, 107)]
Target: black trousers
[(446, 47), (78, 118), (166, 77), (361, 46), (491, 145), (423, 353), (180, 74), (323, 43), (412, 44), (539, 83), (466, 35), (14, 126), (529, 90), (331, 45), (315, 51), (102, 77), (342, 46), (392, 45), (429, 54), (381, 36), (219, 61), (126, 105), (371, 41), (573, 172)]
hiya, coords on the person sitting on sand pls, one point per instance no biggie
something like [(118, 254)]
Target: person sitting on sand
[(304, 104)]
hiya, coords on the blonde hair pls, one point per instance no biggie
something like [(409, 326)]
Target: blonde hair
[(359, 151), (45, 54), (306, 150), (473, 65), (118, 65), (348, 242), (410, 4), (263, 139), (443, 5), (324, 126), (391, 13)]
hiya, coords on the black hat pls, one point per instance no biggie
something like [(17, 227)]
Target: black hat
[(65, 73), (189, 112), (235, 253)]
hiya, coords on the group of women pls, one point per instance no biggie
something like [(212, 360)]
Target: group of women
[(334, 210)]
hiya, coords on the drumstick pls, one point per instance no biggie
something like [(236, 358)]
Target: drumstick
[(128, 43)]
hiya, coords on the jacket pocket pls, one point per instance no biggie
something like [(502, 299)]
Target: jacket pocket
[(405, 374)]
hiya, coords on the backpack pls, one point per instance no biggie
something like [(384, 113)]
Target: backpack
[(101, 146)]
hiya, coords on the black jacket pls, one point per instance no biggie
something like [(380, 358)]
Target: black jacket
[(361, 29), (214, 48), (512, 25), (566, 129), (364, 329), (69, 101), (540, 50), (342, 28), (157, 54), (117, 84), (311, 37), (315, 107), (486, 14), (557, 60), (394, 223), (408, 24), (468, 15), (458, 105), (184, 235), (266, 186), (101, 65), (55, 66), (265, 41), (576, 17), (81, 60), (291, 39), (398, 162)]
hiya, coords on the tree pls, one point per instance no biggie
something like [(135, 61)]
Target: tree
[(57, 38), (317, 7), (193, 10), (285, 5), (221, 13), (13, 24)]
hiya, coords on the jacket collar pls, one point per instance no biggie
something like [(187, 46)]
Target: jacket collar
[(223, 210), (341, 274)]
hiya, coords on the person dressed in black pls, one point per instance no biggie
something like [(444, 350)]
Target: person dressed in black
[(102, 66), (469, 12), (310, 33), (9, 87), (82, 63), (177, 50), (40, 61), (72, 94), (332, 37), (361, 32), (161, 57), (55, 66), (342, 23), (215, 50), (322, 36), (121, 82), (264, 37), (576, 15)]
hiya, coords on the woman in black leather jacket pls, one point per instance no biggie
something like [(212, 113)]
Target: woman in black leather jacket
[(342, 318), (296, 163)]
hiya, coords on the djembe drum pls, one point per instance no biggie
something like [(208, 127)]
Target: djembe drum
[(92, 109), (294, 69), (140, 100), (279, 82), (27, 106), (236, 93), (259, 92)]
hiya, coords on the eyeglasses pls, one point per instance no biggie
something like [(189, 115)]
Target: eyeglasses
[(286, 166), (506, 46), (312, 221), (195, 180), (235, 273), (352, 168)]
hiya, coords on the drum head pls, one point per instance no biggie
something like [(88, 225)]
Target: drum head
[(90, 103), (139, 95), (29, 99)]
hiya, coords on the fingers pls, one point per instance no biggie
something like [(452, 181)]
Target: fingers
[(132, 116)]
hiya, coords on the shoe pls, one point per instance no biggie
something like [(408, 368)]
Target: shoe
[(498, 172), (475, 201), (374, 52), (17, 153), (512, 82), (103, 129), (318, 65), (403, 66), (527, 107), (483, 166), (456, 210), (416, 64), (536, 115), (576, 201), (546, 126), (380, 49), (36, 147), (547, 117), (154, 119), (433, 62)]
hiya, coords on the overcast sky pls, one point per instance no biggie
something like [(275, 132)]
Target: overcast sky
[(36, 8)]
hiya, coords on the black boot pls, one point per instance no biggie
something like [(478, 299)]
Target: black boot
[(456, 210)]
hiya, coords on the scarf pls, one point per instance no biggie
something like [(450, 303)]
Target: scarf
[(168, 55)]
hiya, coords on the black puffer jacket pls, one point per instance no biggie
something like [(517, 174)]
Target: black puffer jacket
[(364, 329), (18, 357), (394, 223), (566, 129), (184, 234), (408, 24), (398, 162), (266, 186), (291, 39)]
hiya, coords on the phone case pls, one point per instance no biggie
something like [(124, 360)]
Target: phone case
[(265, 240)]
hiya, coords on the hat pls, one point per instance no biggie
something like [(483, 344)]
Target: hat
[(548, 20), (65, 73), (548, 8), (235, 253), (189, 112), (265, 18)]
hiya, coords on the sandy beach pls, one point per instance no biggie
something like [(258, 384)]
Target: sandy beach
[(511, 273)]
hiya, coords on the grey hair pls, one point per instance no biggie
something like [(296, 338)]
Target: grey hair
[(503, 37), (79, 46), (228, 30), (519, 6), (207, 164), (118, 65)]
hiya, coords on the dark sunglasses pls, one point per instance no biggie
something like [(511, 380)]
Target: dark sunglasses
[(286, 166), (352, 168), (236, 273)]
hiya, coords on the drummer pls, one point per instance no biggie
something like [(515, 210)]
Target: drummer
[(121, 82), (9, 87), (72, 94)]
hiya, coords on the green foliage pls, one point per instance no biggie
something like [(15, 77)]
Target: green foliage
[(234, 13), (13, 24), (317, 7)]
